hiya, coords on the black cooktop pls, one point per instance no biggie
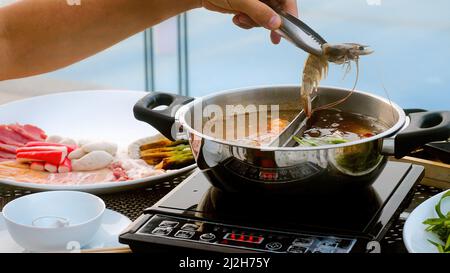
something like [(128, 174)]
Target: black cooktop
[(237, 222)]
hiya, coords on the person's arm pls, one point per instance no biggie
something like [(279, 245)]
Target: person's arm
[(38, 36)]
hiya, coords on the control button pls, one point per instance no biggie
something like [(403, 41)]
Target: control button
[(188, 226), (163, 231), (329, 243), (297, 249), (171, 224), (303, 241), (324, 250), (274, 246), (185, 234), (207, 237)]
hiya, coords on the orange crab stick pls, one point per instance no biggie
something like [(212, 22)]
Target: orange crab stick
[(70, 148), (42, 149), (55, 157)]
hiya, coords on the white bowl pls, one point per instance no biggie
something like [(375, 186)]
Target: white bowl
[(54, 221)]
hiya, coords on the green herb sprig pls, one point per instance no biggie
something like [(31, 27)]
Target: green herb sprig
[(440, 226)]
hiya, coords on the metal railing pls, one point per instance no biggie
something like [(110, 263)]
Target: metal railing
[(182, 57)]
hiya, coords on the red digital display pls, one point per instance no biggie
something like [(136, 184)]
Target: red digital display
[(244, 238), (271, 176)]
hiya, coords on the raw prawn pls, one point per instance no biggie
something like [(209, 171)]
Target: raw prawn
[(316, 68)]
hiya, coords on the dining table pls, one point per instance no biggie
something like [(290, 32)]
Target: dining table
[(132, 203)]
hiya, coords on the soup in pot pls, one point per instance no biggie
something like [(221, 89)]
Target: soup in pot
[(325, 127)]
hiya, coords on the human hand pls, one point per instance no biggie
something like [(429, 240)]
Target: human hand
[(254, 13)]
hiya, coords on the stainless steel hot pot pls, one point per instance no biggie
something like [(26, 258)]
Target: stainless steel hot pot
[(235, 167)]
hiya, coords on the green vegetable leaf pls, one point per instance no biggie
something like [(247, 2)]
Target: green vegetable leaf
[(310, 142), (440, 226), (336, 140), (438, 205), (447, 244), (434, 221), (298, 140)]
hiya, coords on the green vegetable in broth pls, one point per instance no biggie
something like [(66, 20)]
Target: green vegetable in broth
[(318, 141)]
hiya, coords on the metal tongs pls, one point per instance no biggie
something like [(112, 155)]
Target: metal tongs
[(300, 34)]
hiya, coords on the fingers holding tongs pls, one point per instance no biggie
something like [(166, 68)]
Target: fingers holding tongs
[(299, 33)]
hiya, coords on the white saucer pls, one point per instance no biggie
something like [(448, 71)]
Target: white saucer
[(113, 224)]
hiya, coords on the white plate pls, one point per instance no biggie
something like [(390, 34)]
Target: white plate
[(105, 114), (414, 235), (113, 223)]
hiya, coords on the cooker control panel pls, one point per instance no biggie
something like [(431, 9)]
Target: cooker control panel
[(279, 174), (208, 233)]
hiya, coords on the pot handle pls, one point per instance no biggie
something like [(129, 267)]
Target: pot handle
[(162, 120), (424, 127)]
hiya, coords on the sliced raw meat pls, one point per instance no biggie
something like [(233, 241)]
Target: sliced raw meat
[(19, 129), (119, 172), (10, 137), (35, 131), (81, 178), (4, 160), (7, 155), (21, 172), (8, 148)]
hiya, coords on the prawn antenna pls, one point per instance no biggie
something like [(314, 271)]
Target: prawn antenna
[(380, 75), (336, 103)]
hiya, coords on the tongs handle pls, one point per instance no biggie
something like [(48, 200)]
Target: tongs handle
[(299, 33)]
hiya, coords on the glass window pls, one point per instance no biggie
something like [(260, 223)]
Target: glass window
[(409, 38), (119, 67), (222, 56), (165, 56)]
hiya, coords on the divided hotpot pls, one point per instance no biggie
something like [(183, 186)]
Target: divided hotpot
[(236, 167)]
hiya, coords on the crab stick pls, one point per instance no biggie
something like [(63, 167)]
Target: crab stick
[(37, 166), (65, 167), (42, 149), (70, 148), (53, 157), (51, 168)]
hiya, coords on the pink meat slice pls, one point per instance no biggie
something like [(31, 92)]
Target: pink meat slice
[(36, 131), (7, 155), (4, 160), (8, 136), (8, 148), (80, 178), (29, 134)]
